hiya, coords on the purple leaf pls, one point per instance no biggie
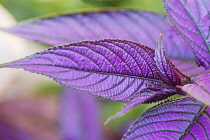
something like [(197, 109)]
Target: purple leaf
[(187, 67), (9, 132), (192, 20), (80, 118), (169, 73), (139, 26), (116, 70), (200, 87), (182, 118)]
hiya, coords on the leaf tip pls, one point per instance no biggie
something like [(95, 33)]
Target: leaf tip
[(159, 48), (112, 118), (4, 65), (160, 37), (7, 30), (1, 29), (109, 119), (159, 44)]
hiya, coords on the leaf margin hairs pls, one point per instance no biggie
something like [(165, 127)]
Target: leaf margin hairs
[(132, 17), (140, 85)]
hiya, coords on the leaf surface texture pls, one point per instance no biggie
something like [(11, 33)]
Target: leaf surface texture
[(135, 25), (183, 118), (116, 70), (192, 21)]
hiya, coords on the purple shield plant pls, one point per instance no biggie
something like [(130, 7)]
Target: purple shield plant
[(125, 71)]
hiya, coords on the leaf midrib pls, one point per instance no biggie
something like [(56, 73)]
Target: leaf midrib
[(193, 121), (85, 70)]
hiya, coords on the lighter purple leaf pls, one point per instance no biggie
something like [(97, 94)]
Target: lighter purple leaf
[(200, 87)]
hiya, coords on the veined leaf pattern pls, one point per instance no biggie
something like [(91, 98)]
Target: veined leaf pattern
[(182, 118), (116, 70), (169, 73), (135, 25), (192, 20)]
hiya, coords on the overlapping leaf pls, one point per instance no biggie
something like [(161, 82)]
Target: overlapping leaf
[(139, 26), (192, 20), (200, 87), (79, 117), (183, 118), (116, 70)]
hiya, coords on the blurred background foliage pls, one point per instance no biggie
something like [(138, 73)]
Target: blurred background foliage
[(26, 9)]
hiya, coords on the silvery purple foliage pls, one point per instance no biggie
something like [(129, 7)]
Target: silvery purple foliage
[(116, 70), (125, 71), (183, 118), (79, 116), (191, 19), (135, 25)]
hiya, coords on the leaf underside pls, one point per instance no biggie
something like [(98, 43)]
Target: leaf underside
[(182, 118), (192, 20), (135, 25)]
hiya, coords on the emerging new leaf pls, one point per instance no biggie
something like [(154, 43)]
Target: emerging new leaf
[(135, 25), (182, 118), (79, 116), (116, 70), (200, 87), (191, 18), (169, 73)]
